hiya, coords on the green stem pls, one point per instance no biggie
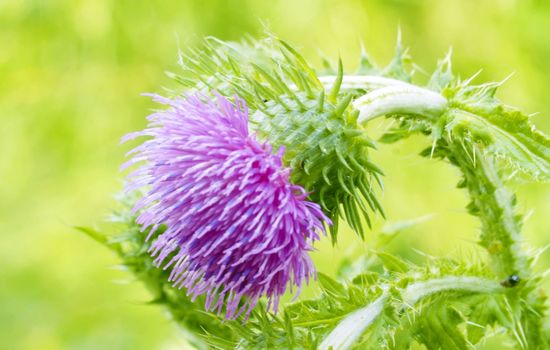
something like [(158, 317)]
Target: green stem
[(366, 82), (493, 204), (419, 290), (500, 235), (400, 99)]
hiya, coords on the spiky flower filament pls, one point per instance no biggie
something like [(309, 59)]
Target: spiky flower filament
[(236, 227)]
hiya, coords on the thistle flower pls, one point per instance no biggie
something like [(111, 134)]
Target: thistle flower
[(327, 148), (236, 228)]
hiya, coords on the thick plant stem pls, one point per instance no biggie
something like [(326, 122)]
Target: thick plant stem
[(362, 81), (389, 96), (475, 285), (493, 204), (398, 99)]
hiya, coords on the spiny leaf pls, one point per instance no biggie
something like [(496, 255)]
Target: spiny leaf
[(101, 238), (330, 285), (443, 75), (350, 329), (335, 89), (396, 68), (502, 130), (366, 65), (392, 263)]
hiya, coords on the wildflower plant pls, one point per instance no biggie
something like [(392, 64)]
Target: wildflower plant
[(258, 153)]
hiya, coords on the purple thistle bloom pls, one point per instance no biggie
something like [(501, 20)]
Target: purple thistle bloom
[(237, 229)]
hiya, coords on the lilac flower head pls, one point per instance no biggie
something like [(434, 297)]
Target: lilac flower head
[(236, 228)]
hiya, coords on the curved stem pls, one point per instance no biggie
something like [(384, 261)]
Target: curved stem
[(493, 204), (389, 96), (491, 201), (419, 290), (399, 99), (367, 82)]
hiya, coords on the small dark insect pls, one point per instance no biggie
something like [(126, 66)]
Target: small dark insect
[(511, 281)]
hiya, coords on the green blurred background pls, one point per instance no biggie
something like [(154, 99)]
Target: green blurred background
[(71, 74)]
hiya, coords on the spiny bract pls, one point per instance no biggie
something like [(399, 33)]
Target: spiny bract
[(235, 225)]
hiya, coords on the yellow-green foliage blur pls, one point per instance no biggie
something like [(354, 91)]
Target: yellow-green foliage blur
[(71, 74)]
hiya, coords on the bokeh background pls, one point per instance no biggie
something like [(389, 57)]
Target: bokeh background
[(71, 74)]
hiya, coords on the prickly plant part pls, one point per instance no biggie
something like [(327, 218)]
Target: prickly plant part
[(382, 301), (236, 228), (326, 148)]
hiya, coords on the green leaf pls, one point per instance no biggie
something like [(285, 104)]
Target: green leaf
[(100, 237), (349, 330), (508, 135), (392, 263), (330, 285), (366, 279)]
